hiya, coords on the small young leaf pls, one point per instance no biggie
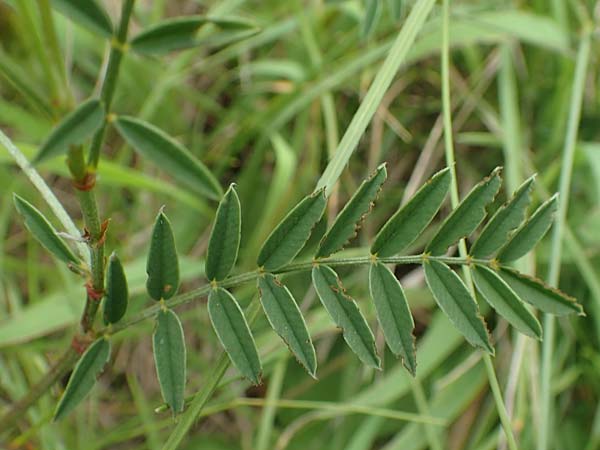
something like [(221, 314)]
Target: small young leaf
[(346, 315), (287, 321), (456, 302), (467, 215), (74, 129), (496, 232), (530, 233), (162, 265), (288, 238), (83, 377), (537, 293), (506, 302), (182, 32), (393, 314), (409, 221), (169, 155), (225, 237), (349, 219), (232, 329), (116, 296), (43, 231), (168, 345), (87, 13)]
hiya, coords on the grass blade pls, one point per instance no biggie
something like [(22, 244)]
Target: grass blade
[(162, 265), (87, 13), (117, 294)]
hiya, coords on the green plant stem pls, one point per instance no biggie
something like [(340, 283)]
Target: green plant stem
[(578, 88), (450, 161), (118, 47)]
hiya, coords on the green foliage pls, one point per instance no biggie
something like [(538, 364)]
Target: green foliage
[(83, 378), (117, 294), (168, 345), (87, 13), (162, 264)]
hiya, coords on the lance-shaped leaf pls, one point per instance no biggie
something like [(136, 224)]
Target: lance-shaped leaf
[(83, 377), (74, 129), (234, 333), (393, 314), (530, 233), (162, 265), (350, 218), (87, 13), (506, 302), (287, 321), (535, 292), (456, 302), (346, 315), (116, 295), (169, 155), (409, 221), (467, 215), (496, 232), (225, 237), (43, 231), (182, 32), (288, 238), (168, 345)]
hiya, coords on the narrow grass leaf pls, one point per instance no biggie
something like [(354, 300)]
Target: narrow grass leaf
[(506, 302), (290, 235), (346, 315), (456, 302), (467, 215), (168, 345), (497, 231), (530, 233), (117, 294), (87, 13), (162, 265), (350, 218), (287, 321), (182, 32), (43, 231), (74, 129), (225, 236), (234, 333), (169, 155), (83, 378), (372, 12), (409, 221), (393, 314), (537, 293)]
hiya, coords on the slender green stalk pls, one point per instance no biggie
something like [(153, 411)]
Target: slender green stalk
[(265, 429), (450, 161), (423, 408), (578, 87)]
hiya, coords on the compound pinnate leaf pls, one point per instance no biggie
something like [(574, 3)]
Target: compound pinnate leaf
[(409, 221), (162, 265), (116, 295), (505, 301), (537, 293), (43, 231), (168, 345), (467, 215), (288, 238), (225, 237), (530, 233), (456, 302), (182, 32), (74, 129), (287, 321), (393, 314), (84, 376), (346, 315), (234, 333), (169, 155), (496, 232), (349, 219), (87, 13)]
